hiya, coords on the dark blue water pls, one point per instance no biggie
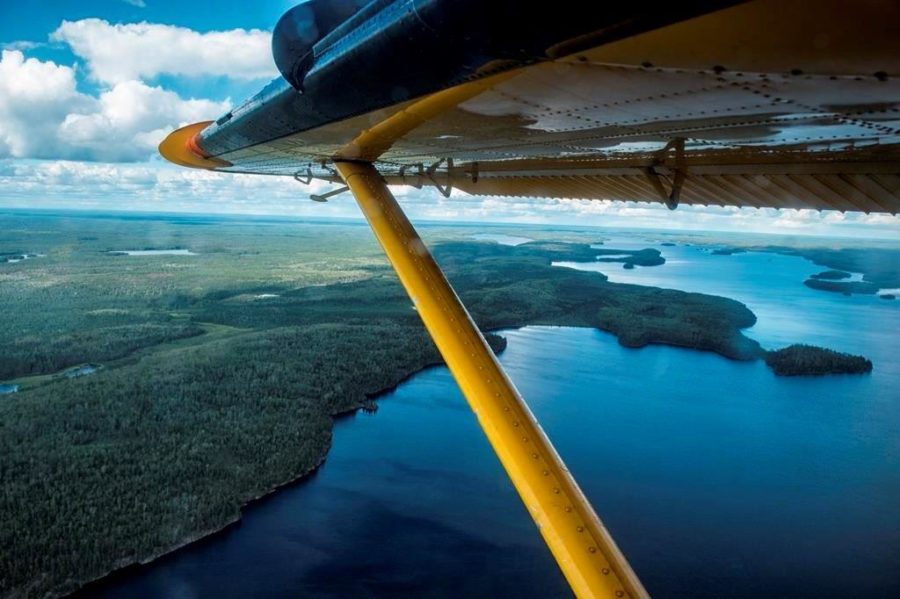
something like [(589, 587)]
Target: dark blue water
[(717, 478)]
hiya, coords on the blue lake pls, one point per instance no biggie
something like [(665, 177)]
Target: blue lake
[(717, 478)]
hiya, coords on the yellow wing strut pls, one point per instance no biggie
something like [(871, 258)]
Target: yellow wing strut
[(584, 550)]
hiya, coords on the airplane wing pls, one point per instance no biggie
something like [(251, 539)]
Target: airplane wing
[(762, 104), (774, 103)]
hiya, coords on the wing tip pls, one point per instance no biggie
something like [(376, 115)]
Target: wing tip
[(179, 148)]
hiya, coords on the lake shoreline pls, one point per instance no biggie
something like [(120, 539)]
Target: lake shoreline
[(493, 335), (278, 523), (133, 566)]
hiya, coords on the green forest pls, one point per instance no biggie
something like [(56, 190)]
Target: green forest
[(809, 360), (223, 370)]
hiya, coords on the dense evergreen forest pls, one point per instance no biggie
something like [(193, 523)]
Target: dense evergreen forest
[(37, 355), (222, 371), (796, 360)]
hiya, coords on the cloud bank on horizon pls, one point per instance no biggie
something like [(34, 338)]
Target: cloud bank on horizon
[(79, 129)]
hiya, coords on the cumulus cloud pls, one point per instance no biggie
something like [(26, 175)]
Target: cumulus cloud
[(43, 115), (129, 120), (116, 53), (35, 97), (138, 3)]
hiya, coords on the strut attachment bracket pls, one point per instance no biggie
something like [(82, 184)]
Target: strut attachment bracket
[(671, 196)]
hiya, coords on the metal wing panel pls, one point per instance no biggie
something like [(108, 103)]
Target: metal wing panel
[(763, 121)]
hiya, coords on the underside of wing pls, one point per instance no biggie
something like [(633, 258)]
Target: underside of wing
[(764, 104), (708, 179)]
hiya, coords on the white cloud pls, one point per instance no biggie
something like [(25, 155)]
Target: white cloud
[(131, 119), (35, 98), (138, 3), (22, 45), (43, 115), (116, 53)]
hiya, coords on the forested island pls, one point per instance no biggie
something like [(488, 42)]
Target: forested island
[(209, 398), (631, 258), (808, 360), (845, 287)]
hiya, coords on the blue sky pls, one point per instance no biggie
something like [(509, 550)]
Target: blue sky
[(33, 22), (88, 89)]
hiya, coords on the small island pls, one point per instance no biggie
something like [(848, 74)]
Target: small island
[(809, 360), (845, 287), (631, 258)]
